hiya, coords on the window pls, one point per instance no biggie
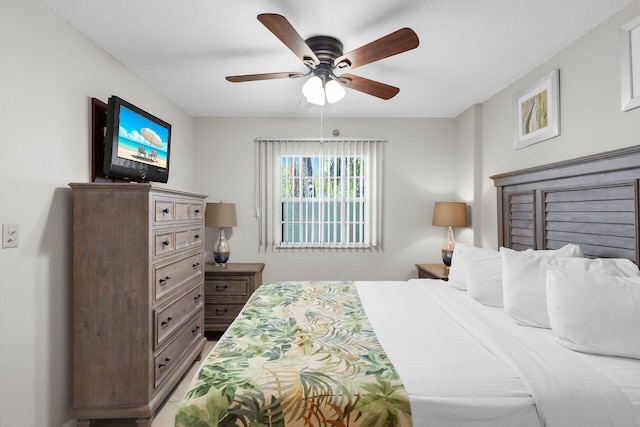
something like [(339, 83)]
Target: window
[(319, 194)]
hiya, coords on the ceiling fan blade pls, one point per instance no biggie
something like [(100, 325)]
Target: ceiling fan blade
[(264, 76), (392, 44), (283, 30), (370, 87)]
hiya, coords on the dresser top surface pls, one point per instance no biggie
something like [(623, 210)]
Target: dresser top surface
[(132, 186)]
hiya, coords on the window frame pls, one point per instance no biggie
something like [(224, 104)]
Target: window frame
[(269, 200)]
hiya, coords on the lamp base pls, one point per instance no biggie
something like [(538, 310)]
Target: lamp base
[(221, 250), (446, 258), (221, 258), (447, 249)]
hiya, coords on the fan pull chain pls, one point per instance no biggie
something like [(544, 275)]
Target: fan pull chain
[(321, 122)]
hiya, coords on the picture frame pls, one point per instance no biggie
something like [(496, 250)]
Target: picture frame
[(538, 111), (629, 68)]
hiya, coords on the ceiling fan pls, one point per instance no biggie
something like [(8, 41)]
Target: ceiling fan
[(323, 56)]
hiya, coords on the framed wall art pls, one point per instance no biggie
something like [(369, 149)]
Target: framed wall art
[(538, 111), (629, 64)]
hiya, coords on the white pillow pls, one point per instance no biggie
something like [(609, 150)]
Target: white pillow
[(524, 283), (595, 313), (457, 271), (484, 275)]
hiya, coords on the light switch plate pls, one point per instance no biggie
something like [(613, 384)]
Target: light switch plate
[(10, 235)]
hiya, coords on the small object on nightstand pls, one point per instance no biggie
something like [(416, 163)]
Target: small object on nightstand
[(433, 271)]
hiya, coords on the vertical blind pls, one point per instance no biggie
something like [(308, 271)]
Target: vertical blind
[(313, 193)]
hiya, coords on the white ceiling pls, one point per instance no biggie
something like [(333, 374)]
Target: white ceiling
[(469, 49)]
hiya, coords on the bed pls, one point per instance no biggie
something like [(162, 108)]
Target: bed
[(543, 332)]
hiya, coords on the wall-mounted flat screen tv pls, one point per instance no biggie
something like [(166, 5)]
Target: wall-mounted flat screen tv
[(137, 143)]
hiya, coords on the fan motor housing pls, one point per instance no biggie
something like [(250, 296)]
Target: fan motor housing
[(326, 48)]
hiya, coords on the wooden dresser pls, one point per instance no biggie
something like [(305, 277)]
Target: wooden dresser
[(227, 289), (138, 297)]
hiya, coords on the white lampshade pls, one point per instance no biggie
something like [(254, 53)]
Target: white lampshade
[(313, 91), (334, 90)]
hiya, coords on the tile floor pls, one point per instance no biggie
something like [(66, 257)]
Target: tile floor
[(165, 415)]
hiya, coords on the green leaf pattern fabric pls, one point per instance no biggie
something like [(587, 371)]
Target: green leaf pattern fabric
[(300, 354)]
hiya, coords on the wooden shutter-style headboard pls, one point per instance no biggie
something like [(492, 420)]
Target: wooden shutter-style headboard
[(591, 201)]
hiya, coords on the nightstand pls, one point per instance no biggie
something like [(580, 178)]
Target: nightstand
[(433, 271), (226, 290)]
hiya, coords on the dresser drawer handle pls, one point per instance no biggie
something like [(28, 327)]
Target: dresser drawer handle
[(197, 236), (165, 242), (163, 364), (164, 323), (197, 211), (165, 211), (164, 280), (195, 265), (220, 288), (197, 298), (195, 330), (220, 311)]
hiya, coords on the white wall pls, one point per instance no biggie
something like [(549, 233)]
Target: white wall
[(419, 159), (465, 148), (48, 74), (590, 114)]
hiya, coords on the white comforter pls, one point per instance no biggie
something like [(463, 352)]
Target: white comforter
[(469, 365)]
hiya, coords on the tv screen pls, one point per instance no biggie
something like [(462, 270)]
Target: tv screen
[(137, 143)]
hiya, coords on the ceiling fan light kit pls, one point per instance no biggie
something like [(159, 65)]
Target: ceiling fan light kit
[(315, 90), (323, 54)]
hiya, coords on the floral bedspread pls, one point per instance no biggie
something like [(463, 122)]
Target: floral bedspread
[(299, 354)]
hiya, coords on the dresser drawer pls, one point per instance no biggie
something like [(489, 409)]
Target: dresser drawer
[(196, 210), (172, 317), (170, 241), (164, 243), (227, 287), (164, 210), (170, 276), (196, 236), (168, 359)]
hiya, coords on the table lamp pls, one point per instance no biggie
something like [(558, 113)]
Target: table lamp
[(449, 214), (221, 215)]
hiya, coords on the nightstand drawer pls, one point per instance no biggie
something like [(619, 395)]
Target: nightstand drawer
[(226, 287), (221, 314)]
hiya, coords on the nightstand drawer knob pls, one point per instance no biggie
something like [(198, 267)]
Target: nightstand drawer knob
[(220, 311), (197, 211), (165, 210), (196, 265), (166, 322), (195, 330), (221, 288), (197, 298), (164, 280), (165, 242), (197, 236)]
